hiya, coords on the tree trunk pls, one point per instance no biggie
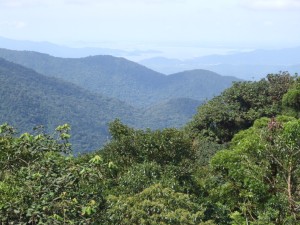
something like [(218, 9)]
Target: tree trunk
[(290, 191)]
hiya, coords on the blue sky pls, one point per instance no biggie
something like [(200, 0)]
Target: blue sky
[(189, 23)]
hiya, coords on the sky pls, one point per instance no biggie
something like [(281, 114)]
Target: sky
[(215, 24)]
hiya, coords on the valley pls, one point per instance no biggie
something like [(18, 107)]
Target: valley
[(88, 93)]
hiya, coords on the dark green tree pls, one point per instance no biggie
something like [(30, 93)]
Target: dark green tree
[(239, 106)]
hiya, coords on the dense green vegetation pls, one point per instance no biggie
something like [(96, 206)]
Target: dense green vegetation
[(172, 113), (239, 106), (29, 99), (122, 79), (234, 163)]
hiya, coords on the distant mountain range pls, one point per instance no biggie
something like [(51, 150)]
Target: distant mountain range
[(66, 52), (251, 65), (247, 65), (29, 99), (122, 79), (88, 93)]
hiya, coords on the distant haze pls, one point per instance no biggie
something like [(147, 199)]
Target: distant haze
[(178, 28)]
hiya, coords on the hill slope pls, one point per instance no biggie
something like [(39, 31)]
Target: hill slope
[(123, 79), (29, 99), (59, 50), (172, 113), (197, 84)]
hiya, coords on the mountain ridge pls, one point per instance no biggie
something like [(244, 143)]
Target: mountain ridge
[(64, 51), (29, 99), (245, 65), (120, 78)]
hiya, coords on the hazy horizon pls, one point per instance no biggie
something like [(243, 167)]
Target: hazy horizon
[(177, 28)]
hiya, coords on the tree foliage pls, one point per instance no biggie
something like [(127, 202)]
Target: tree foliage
[(39, 184), (155, 205), (239, 106), (165, 147), (238, 164), (259, 174)]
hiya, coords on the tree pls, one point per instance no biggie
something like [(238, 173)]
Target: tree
[(239, 106), (41, 184), (291, 100), (146, 157), (259, 175), (169, 146), (155, 205)]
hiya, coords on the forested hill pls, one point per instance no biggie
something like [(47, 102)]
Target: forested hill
[(172, 113), (198, 84), (123, 79), (91, 92), (29, 99)]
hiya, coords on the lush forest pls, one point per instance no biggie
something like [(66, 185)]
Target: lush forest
[(116, 77), (88, 93), (29, 99), (237, 162)]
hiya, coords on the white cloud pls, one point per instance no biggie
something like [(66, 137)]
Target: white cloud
[(271, 4)]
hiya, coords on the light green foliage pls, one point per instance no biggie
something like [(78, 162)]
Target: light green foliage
[(291, 100), (141, 176), (239, 106), (154, 205), (28, 148), (41, 185), (128, 146), (146, 157), (259, 174)]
